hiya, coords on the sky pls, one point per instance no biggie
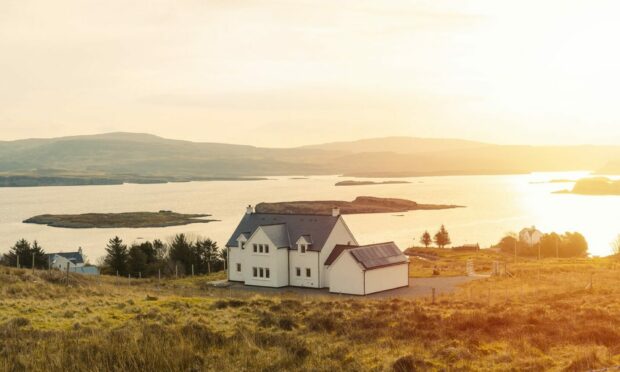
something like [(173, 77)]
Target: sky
[(285, 73)]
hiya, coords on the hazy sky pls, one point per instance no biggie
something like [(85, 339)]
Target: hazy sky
[(282, 73)]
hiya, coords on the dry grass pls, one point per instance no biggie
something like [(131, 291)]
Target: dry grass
[(423, 261), (541, 318)]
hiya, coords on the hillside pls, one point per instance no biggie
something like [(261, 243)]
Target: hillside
[(128, 157), (540, 318)]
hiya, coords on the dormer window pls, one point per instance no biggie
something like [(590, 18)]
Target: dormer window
[(302, 248), (242, 245)]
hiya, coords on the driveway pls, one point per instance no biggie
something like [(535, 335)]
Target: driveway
[(418, 287)]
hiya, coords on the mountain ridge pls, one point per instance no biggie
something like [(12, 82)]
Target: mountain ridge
[(124, 156)]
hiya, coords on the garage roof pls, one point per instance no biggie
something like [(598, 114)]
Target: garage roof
[(379, 255)]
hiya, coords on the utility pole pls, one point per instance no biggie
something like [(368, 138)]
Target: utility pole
[(33, 262), (515, 249), (557, 251)]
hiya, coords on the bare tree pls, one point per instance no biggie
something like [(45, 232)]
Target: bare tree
[(615, 245)]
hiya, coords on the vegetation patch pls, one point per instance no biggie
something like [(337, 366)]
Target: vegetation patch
[(118, 220)]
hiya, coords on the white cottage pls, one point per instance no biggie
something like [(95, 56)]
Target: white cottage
[(530, 236), (279, 250), (73, 260)]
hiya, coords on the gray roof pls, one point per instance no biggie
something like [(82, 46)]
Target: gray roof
[(278, 234), (75, 257), (318, 227), (379, 255)]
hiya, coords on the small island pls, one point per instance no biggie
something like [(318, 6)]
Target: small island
[(594, 186), (364, 183), (119, 220), (361, 205)]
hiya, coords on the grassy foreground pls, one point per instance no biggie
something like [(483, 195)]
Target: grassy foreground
[(541, 317)]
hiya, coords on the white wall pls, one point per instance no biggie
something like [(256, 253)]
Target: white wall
[(346, 275), (339, 235), (235, 256), (385, 278), (303, 261), (275, 260)]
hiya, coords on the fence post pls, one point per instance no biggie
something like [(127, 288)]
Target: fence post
[(176, 271), (192, 270), (33, 263), (129, 279), (68, 263), (18, 262), (140, 275), (117, 277)]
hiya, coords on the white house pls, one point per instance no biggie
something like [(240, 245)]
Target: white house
[(530, 236), (279, 250), (75, 261)]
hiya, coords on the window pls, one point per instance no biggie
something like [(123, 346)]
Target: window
[(254, 272), (298, 271), (242, 245), (302, 247), (308, 273), (261, 272), (260, 248), (266, 248), (255, 248), (267, 273), (238, 267)]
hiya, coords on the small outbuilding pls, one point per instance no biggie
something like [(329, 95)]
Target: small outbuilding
[(362, 270)]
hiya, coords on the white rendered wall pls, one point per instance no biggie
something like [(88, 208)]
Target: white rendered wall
[(303, 261), (385, 278), (339, 235), (346, 275), (275, 260)]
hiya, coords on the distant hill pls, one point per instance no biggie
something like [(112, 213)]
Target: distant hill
[(399, 145), (130, 157)]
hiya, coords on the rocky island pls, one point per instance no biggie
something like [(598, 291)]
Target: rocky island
[(361, 205), (594, 186), (363, 183), (119, 220)]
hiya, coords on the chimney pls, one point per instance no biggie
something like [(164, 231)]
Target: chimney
[(249, 210), (335, 212)]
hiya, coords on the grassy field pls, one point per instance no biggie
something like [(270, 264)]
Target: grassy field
[(545, 315)]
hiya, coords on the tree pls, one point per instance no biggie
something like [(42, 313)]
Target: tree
[(442, 238), (207, 255), (116, 258), (550, 245), (161, 250), (426, 239), (182, 253), (137, 260), (573, 245), (24, 251), (224, 256)]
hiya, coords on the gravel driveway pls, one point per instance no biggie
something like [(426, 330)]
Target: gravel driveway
[(418, 287)]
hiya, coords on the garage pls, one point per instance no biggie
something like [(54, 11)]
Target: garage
[(362, 270)]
